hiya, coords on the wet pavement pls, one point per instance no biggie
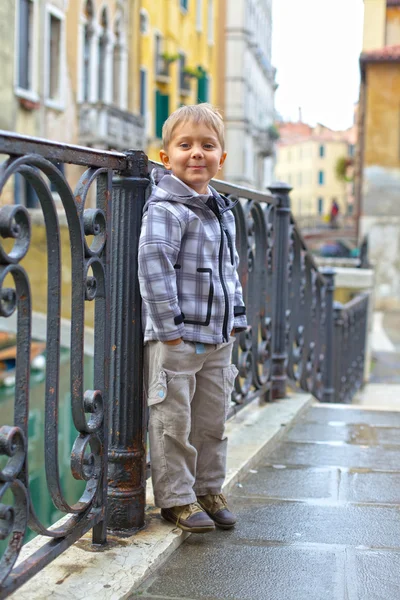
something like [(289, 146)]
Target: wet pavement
[(318, 519)]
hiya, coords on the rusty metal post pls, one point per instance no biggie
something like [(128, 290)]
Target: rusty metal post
[(127, 455), (328, 394), (280, 289)]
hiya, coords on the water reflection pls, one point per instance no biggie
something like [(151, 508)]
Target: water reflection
[(72, 489)]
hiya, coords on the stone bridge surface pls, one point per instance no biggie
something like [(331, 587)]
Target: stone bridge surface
[(318, 519)]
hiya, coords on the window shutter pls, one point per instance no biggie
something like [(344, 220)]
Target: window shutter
[(162, 111), (202, 89), (24, 42)]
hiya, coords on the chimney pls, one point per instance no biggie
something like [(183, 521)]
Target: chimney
[(300, 115)]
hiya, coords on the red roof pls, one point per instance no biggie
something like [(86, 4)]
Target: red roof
[(386, 54)]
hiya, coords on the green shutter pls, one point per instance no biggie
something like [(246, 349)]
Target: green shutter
[(202, 87), (162, 111)]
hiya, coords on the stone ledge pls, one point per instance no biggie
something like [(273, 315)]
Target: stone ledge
[(115, 572)]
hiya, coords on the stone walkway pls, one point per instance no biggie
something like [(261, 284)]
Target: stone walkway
[(318, 519)]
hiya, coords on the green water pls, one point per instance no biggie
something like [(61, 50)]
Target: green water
[(72, 489)]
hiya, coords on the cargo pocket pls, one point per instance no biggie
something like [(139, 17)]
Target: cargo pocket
[(158, 391), (229, 376)]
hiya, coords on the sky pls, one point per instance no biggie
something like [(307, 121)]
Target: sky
[(315, 48)]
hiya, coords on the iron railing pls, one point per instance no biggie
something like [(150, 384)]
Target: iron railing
[(291, 335)]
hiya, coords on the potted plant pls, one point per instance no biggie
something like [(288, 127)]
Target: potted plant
[(169, 58), (192, 72)]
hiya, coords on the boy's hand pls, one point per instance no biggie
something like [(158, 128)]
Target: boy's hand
[(233, 332), (173, 342)]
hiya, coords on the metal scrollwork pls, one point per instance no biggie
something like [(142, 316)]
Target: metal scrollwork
[(88, 457)]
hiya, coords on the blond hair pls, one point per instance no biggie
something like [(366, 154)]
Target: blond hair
[(203, 113)]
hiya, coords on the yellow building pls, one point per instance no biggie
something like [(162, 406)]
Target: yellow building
[(306, 160), (179, 49), (378, 160)]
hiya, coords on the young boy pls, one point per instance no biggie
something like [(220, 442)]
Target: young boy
[(193, 304)]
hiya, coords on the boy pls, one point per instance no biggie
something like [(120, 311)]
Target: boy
[(192, 301)]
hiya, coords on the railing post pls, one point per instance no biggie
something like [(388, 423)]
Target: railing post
[(280, 290), (342, 358), (328, 394), (127, 455)]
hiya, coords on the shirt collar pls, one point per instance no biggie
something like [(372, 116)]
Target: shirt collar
[(192, 191)]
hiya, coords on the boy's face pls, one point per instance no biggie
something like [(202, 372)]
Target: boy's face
[(194, 155)]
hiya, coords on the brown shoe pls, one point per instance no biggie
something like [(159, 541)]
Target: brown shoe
[(189, 517), (216, 507)]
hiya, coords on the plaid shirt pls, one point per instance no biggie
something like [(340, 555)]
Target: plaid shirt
[(188, 265)]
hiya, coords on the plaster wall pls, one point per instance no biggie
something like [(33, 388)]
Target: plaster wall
[(382, 124), (374, 24), (384, 254), (393, 26)]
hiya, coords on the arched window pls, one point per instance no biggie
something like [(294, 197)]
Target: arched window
[(103, 41), (144, 22), (87, 42), (117, 61)]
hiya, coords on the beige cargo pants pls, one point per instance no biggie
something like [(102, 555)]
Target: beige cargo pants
[(188, 391)]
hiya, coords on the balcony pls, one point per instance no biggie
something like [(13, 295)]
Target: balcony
[(106, 126), (266, 139)]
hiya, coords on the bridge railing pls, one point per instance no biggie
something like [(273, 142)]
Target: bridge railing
[(291, 335)]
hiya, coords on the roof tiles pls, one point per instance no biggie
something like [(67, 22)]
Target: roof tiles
[(386, 54)]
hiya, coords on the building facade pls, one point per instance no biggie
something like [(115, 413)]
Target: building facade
[(307, 159), (67, 65), (249, 93), (179, 60), (378, 159)]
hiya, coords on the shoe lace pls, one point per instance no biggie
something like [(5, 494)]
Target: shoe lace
[(188, 510), (219, 501)]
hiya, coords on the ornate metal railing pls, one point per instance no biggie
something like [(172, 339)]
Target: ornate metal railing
[(350, 329), (290, 335)]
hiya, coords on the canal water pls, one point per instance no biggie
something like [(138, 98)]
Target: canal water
[(72, 489)]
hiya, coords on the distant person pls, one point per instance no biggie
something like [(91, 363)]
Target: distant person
[(193, 306), (333, 218)]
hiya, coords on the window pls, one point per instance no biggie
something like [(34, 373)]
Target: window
[(25, 44), (351, 149), (54, 55), (117, 64), (184, 4), (322, 151), (103, 43), (320, 206), (162, 111), (61, 167), (210, 22), (184, 81), (161, 63), (143, 92), (24, 193), (321, 178), (199, 15), (144, 22), (87, 54)]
